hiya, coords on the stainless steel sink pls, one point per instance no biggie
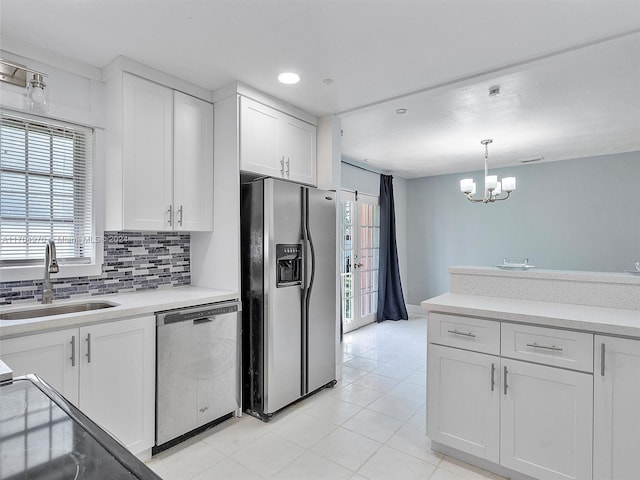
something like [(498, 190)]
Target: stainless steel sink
[(55, 310)]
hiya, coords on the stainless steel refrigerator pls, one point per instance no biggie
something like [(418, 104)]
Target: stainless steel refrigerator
[(288, 234)]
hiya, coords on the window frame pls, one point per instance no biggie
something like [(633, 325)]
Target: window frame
[(91, 264)]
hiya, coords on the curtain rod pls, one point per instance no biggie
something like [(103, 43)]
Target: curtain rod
[(366, 169)]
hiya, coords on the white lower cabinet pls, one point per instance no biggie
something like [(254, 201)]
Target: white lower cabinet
[(106, 370), (546, 421), (117, 379), (528, 417), (616, 450), (464, 401), (53, 356)]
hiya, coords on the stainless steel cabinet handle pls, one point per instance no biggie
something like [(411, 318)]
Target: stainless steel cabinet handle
[(170, 212), (88, 348), (180, 212), (493, 376), (456, 332), (73, 350), (602, 359), (282, 166), (546, 347), (287, 167), (505, 380)]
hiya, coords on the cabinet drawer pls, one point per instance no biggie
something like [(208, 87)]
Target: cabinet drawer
[(465, 332), (549, 346)]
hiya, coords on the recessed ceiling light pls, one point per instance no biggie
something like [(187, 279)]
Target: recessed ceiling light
[(289, 78), (402, 111)]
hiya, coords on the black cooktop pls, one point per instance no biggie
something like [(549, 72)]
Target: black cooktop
[(44, 437)]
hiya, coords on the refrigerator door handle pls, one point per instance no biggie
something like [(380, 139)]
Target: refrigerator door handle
[(309, 274)]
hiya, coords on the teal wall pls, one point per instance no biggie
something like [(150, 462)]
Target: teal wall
[(579, 214)]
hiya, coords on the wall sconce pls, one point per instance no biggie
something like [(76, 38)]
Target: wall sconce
[(36, 95)]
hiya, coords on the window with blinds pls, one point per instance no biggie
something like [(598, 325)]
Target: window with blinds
[(45, 191)]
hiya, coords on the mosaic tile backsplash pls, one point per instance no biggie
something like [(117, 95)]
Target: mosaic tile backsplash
[(132, 261)]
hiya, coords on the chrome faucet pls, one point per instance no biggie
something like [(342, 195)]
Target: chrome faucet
[(50, 266)]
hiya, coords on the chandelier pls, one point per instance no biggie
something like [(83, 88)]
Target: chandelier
[(492, 187)]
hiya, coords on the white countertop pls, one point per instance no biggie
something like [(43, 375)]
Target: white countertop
[(130, 304), (629, 278), (612, 321)]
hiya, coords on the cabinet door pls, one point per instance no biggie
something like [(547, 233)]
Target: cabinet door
[(464, 400), (147, 144), (259, 152), (616, 446), (117, 379), (547, 420), (192, 163), (298, 148), (53, 356)]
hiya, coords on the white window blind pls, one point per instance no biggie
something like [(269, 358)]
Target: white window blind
[(45, 191)]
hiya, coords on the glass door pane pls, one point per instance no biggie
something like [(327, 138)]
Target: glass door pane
[(347, 250), (359, 254)]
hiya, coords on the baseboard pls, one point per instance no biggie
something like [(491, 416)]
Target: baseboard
[(416, 310)]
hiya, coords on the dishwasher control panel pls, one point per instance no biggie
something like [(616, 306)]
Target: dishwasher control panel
[(203, 311)]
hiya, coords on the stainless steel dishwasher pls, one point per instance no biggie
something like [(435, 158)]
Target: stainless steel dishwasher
[(198, 369)]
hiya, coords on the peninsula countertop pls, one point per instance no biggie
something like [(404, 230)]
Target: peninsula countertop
[(612, 321)]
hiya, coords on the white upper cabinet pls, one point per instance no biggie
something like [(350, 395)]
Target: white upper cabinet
[(275, 144), (616, 449), (159, 160), (147, 152), (192, 163), (298, 149), (259, 139)]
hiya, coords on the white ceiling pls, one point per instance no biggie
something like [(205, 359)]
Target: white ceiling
[(569, 70)]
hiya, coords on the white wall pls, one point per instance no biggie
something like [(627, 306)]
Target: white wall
[(579, 214), (76, 93)]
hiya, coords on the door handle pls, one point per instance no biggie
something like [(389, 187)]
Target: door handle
[(88, 354), (287, 167), (493, 376), (456, 332), (73, 350), (602, 359), (170, 212), (282, 166), (545, 347), (505, 380), (180, 212)]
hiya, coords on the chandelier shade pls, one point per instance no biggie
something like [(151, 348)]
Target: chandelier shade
[(493, 188)]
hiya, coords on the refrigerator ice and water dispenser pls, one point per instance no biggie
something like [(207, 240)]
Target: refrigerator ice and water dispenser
[(289, 262)]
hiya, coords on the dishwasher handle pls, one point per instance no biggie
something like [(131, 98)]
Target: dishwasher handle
[(196, 314), (198, 321)]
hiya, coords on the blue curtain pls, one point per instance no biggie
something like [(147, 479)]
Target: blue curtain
[(391, 304)]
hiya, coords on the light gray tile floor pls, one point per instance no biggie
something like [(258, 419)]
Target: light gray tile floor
[(370, 426)]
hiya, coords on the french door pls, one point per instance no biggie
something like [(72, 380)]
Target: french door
[(359, 257)]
